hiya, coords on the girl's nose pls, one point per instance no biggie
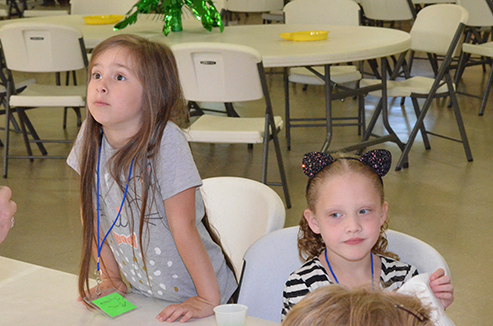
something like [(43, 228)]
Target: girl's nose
[(101, 89), (353, 224)]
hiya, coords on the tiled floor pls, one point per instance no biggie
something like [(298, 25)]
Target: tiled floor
[(441, 199)]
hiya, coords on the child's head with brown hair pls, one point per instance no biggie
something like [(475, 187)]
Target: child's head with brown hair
[(363, 177), (338, 306)]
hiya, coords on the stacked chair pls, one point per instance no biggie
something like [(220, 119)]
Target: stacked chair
[(39, 48), (437, 31)]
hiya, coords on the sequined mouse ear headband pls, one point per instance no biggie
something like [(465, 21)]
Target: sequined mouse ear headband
[(379, 160)]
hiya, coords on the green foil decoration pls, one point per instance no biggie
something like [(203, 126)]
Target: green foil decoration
[(203, 10)]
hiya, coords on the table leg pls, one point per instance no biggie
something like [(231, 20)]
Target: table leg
[(328, 108)]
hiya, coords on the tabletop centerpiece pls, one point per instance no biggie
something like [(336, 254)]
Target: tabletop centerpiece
[(202, 10)]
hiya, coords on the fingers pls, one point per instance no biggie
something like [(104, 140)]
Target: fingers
[(166, 313), (187, 317), (194, 307), (442, 287), (438, 273)]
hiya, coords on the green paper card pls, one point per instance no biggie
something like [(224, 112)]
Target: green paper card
[(114, 304)]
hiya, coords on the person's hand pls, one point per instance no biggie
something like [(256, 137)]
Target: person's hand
[(7, 211), (442, 287), (195, 307), (119, 285)]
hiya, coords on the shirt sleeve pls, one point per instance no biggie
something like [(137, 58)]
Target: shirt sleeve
[(176, 170), (73, 158), (294, 291)]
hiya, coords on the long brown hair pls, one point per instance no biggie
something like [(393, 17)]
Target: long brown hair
[(311, 244), (338, 306), (163, 101)]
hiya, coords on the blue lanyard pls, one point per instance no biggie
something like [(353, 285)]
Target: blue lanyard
[(334, 275), (100, 246)]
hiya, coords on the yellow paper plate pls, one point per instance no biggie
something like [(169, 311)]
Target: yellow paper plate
[(305, 36), (101, 20)]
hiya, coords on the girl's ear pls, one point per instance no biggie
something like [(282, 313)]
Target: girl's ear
[(385, 210), (312, 221)]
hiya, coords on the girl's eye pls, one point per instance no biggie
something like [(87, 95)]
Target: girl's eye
[(335, 215), (120, 78), (96, 75), (364, 211)]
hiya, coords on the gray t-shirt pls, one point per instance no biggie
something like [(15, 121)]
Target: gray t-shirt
[(167, 277)]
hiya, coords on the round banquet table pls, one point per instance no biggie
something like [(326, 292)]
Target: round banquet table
[(344, 44)]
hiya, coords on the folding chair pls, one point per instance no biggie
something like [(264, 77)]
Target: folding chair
[(379, 12), (243, 6), (272, 258), (436, 31), (242, 211), (40, 48), (478, 31), (217, 72), (100, 7), (333, 12), (483, 50)]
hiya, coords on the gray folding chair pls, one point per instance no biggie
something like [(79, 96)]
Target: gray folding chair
[(436, 31), (221, 73), (40, 48), (478, 31)]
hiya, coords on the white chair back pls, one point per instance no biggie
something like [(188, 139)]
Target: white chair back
[(254, 5), (268, 264), (387, 10), (42, 47), (416, 252), (199, 63), (242, 211), (271, 259), (479, 12), (435, 27), (333, 12), (100, 7)]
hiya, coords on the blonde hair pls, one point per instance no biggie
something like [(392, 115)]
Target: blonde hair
[(311, 244), (338, 306)]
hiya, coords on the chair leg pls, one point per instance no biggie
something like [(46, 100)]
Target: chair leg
[(458, 118), (65, 118), (486, 93), (7, 140), (230, 110), (286, 104), (272, 132), (21, 114), (25, 122), (424, 134), (282, 171), (265, 154), (79, 116)]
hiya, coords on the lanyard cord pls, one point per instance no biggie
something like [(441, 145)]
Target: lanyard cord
[(100, 247), (334, 275)]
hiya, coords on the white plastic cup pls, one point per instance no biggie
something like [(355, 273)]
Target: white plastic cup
[(230, 315)]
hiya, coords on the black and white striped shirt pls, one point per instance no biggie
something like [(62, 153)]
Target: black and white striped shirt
[(312, 275)]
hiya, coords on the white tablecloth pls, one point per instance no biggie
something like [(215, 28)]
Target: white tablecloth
[(35, 295)]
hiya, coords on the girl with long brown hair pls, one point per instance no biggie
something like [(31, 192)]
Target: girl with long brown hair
[(143, 217)]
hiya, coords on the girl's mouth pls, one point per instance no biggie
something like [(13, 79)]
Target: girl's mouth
[(354, 241)]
